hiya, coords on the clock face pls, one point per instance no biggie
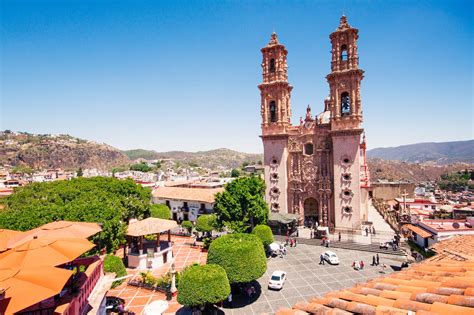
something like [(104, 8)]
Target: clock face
[(307, 124)]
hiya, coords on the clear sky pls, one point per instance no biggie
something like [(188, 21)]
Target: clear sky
[(183, 75)]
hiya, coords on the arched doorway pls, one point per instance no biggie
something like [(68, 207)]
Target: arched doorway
[(310, 212)]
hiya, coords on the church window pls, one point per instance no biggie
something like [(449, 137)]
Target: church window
[(308, 149), (346, 160), (275, 175), (345, 104), (343, 53), (274, 161), (347, 210), (271, 66), (347, 176), (273, 112)]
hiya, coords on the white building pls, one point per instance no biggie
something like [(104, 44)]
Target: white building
[(186, 203)]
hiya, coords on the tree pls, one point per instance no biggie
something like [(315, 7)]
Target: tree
[(203, 285), (206, 223), (108, 201), (241, 255), (235, 173), (241, 205), (79, 173), (264, 233), (115, 264), (188, 225), (160, 211), (140, 167)]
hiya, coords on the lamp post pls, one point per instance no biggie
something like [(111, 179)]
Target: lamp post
[(173, 280)]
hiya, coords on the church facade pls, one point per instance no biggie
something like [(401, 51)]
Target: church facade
[(317, 168)]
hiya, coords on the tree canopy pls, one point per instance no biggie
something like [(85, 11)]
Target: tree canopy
[(241, 255), (264, 233), (241, 205), (160, 211), (235, 173), (202, 285), (141, 167), (206, 223), (108, 201)]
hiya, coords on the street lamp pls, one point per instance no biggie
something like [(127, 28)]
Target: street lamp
[(173, 280)]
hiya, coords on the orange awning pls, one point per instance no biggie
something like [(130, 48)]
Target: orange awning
[(59, 229), (26, 287), (44, 252), (7, 236), (419, 231)]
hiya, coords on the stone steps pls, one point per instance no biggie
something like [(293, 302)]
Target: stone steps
[(373, 248)]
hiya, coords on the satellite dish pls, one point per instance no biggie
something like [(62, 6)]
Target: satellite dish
[(456, 225)]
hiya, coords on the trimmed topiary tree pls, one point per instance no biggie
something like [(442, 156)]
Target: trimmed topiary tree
[(203, 285), (160, 211), (115, 264), (264, 233), (188, 225), (241, 255), (206, 223)]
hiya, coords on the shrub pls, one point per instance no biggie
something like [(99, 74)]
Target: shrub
[(264, 233), (188, 225), (206, 242), (115, 264), (241, 255), (202, 285), (206, 223), (160, 211)]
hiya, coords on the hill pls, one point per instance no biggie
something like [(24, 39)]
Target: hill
[(212, 159), (414, 172), (437, 152), (57, 151)]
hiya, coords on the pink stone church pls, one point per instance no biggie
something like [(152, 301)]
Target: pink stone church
[(317, 168)]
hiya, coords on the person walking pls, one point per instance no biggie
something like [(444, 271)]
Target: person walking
[(373, 230), (377, 259), (361, 264), (366, 231), (339, 236), (294, 244), (321, 259), (328, 242), (311, 233), (229, 298), (373, 261)]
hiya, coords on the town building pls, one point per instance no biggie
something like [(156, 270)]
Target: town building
[(389, 190), (186, 203), (316, 169)]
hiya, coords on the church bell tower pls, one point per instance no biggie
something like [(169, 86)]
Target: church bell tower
[(275, 110), (350, 206)]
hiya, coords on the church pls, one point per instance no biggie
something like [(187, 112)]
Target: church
[(316, 169)]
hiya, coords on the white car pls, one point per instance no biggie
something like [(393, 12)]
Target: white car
[(277, 280), (331, 257)]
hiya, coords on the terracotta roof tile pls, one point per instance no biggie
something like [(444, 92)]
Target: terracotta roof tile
[(434, 286)]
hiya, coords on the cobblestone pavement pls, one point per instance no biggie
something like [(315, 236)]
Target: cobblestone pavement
[(307, 279)]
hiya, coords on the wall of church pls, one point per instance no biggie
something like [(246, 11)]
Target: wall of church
[(347, 191), (275, 158)]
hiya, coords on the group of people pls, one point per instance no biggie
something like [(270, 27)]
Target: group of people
[(326, 241), (358, 265), (370, 230), (375, 260), (290, 241)]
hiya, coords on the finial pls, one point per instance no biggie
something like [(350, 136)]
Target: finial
[(308, 113), (343, 24), (273, 39)]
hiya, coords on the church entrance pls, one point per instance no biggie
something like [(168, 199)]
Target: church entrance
[(310, 212)]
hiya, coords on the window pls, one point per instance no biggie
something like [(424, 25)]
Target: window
[(343, 53), (308, 149), (275, 175), (274, 161), (271, 66), (273, 112), (347, 209), (345, 104), (347, 176)]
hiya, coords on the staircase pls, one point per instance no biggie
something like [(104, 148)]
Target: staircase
[(373, 248)]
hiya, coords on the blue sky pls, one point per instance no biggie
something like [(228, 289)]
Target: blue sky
[(183, 75)]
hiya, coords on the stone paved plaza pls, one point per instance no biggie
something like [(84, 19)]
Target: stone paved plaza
[(307, 279)]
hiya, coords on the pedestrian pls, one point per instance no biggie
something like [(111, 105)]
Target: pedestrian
[(366, 231), (284, 250), (311, 233), (321, 259), (229, 298), (361, 264), (373, 230), (295, 243), (327, 242), (377, 259), (339, 236), (286, 238), (373, 261)]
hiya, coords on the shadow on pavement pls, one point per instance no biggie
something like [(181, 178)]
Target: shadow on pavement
[(240, 296)]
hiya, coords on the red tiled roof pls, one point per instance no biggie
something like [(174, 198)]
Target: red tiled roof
[(435, 286)]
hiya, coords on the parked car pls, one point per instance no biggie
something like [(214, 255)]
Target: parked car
[(277, 280), (112, 304), (331, 257)]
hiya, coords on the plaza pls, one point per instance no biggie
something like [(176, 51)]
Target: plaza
[(307, 279)]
